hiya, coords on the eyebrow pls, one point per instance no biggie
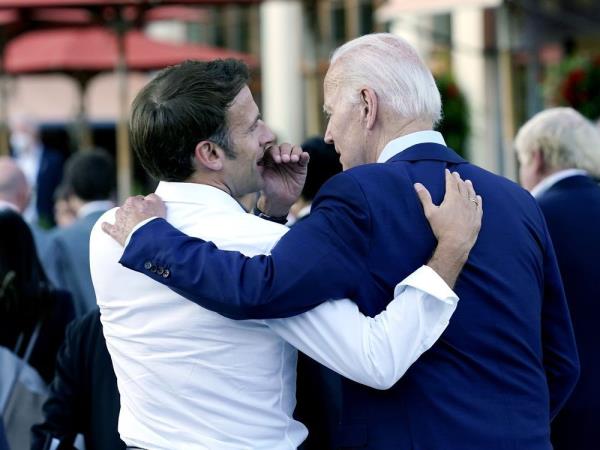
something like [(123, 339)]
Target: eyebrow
[(258, 117)]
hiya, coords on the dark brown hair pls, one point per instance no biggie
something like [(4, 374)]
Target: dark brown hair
[(182, 106)]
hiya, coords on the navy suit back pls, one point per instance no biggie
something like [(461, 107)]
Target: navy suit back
[(572, 211), (483, 384)]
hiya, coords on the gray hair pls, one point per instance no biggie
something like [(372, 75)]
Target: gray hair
[(394, 70), (566, 139)]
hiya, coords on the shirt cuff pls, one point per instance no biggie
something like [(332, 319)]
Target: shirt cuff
[(137, 227), (427, 280)]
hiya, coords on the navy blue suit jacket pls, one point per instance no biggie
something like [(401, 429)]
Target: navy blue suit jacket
[(504, 366), (49, 177), (572, 211)]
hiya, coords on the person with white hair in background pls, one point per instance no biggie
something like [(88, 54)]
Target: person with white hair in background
[(559, 156), (507, 362)]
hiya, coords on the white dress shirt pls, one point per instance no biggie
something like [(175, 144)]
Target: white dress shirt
[(192, 379), (400, 144), (551, 180)]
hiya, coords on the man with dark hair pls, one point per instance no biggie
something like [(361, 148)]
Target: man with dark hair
[(89, 181), (190, 378)]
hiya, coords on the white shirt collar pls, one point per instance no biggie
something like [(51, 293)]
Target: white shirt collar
[(403, 142), (195, 193), (551, 180), (94, 206)]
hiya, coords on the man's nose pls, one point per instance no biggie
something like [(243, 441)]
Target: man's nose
[(328, 137), (268, 135)]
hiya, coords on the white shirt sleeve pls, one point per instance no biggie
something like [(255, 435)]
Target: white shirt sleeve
[(374, 351)]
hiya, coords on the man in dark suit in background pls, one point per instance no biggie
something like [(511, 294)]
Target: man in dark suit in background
[(15, 194), (507, 362), (42, 166), (324, 163), (90, 182), (84, 398), (559, 153)]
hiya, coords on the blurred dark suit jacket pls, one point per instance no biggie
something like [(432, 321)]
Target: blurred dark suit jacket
[(572, 211)]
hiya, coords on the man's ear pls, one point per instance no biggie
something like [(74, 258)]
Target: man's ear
[(538, 162), (208, 155), (369, 105)]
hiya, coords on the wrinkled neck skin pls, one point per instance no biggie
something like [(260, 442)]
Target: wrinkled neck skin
[(390, 127)]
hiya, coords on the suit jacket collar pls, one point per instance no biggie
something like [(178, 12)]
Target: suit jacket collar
[(572, 182), (429, 151)]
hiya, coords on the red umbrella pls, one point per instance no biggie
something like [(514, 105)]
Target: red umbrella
[(95, 49), (94, 3), (120, 15)]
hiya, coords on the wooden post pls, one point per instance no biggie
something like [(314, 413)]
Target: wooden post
[(4, 145), (124, 160)]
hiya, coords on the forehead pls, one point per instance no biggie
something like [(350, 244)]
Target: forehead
[(243, 108), (331, 85)]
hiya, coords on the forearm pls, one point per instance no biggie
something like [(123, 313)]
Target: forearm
[(448, 260), (288, 282), (374, 351)]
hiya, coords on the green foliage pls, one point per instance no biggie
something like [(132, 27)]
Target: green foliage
[(575, 82), (454, 125)]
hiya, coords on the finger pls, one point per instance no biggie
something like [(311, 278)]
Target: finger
[(295, 153), (108, 229), (275, 153), (425, 198), (450, 183), (285, 150), (304, 159), (479, 203), (470, 189), (460, 184)]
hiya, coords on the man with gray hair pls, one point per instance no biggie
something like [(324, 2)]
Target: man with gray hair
[(15, 194), (506, 363), (14, 190), (559, 153)]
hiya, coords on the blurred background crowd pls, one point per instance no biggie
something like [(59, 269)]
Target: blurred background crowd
[(68, 72)]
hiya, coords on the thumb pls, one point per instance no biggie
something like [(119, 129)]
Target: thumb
[(425, 198)]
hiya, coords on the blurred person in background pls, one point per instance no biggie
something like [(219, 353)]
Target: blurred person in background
[(324, 163), (28, 297), (33, 319), (84, 398), (559, 155), (14, 190), (63, 213), (42, 166), (89, 184), (15, 194)]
